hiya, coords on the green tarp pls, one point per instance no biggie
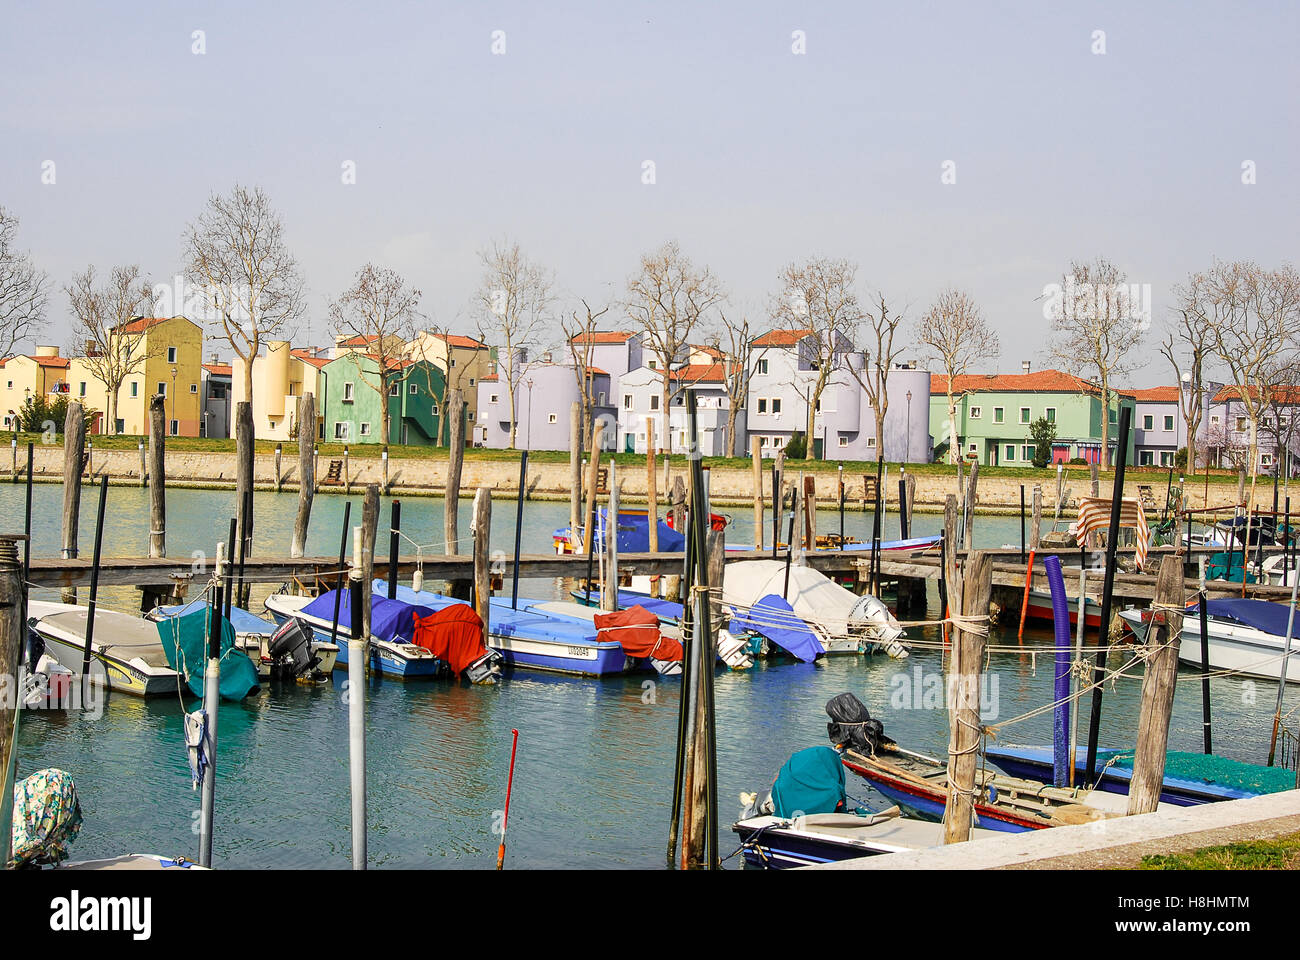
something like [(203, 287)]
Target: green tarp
[(185, 642), (1211, 768)]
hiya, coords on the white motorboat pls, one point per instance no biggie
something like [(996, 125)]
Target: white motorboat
[(125, 652), (1242, 635)]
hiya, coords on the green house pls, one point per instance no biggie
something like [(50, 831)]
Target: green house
[(994, 413), (354, 413)]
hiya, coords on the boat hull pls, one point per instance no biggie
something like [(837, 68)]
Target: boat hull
[(401, 661), (116, 674)]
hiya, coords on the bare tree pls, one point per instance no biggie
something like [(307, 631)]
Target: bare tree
[(1097, 321), (1253, 317), (1279, 423), (236, 252), (958, 337), (24, 290), (817, 296), (879, 329), (1187, 347), (380, 313), (735, 346), (514, 297), (113, 347), (579, 335), (668, 299)]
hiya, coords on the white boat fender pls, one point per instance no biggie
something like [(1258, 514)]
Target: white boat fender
[(196, 737)]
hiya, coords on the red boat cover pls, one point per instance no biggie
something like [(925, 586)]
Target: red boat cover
[(637, 630), (453, 634)]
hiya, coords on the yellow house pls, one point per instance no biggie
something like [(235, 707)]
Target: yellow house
[(44, 372), (172, 352), (281, 376)]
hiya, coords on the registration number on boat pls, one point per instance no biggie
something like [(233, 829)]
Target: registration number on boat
[(582, 653)]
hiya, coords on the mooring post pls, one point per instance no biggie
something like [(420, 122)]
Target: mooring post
[(756, 464), (279, 453), (609, 597), (306, 473), (356, 693), (1080, 622), (593, 484), (1163, 639), (13, 446), (965, 665), (347, 472), (904, 508), (972, 499), (369, 533), (952, 581), (1036, 518), (144, 467), (455, 408), (677, 501), (12, 632), (519, 527), (394, 533), (652, 498), (383, 464), (157, 467), (74, 441), (575, 470), (481, 529), (244, 453), (211, 705), (810, 512), (1205, 658)]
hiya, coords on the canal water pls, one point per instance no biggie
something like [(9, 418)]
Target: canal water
[(593, 778)]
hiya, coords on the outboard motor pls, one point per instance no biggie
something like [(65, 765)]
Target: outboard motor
[(486, 669), (852, 726), (734, 651), (872, 618), (290, 651)]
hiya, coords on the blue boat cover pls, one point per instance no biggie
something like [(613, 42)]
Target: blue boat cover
[(774, 618), (390, 620), (1260, 614), (634, 534), (812, 781), (627, 599)]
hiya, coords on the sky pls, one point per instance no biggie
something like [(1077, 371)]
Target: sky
[(1069, 130)]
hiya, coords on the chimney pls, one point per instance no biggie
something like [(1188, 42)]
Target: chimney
[(1024, 367)]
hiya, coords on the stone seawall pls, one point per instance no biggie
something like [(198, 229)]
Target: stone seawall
[(550, 481)]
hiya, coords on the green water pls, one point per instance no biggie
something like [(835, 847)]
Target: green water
[(593, 777)]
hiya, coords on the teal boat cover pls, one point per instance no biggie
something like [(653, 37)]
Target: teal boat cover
[(185, 642), (812, 781)]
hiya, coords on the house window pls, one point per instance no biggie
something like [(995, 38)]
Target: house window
[(762, 442), (347, 392), (162, 387), (762, 406), (654, 402), (471, 381), (1010, 452), (551, 418), (171, 354), (175, 428), (844, 442), (1027, 452), (999, 414), (341, 429), (1169, 426), (394, 389), (602, 403), (681, 399), (1215, 420), (776, 404), (194, 388), (1149, 423), (1167, 460), (1241, 423), (1114, 415), (453, 361), (1146, 458), (627, 405), (653, 364), (365, 429), (871, 443), (414, 390), (1024, 414), (81, 391), (1050, 414), (435, 413), (762, 366), (975, 413)]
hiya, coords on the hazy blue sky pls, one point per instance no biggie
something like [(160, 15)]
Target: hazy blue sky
[(762, 156)]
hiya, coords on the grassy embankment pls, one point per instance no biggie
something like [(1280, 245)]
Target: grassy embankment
[(1279, 853)]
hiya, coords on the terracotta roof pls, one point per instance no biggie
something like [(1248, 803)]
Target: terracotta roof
[(603, 336), (56, 362), (1156, 395), (359, 341), (697, 372), (139, 325), (705, 348), (1286, 394), (605, 373), (493, 378), (306, 357), (457, 340), (226, 370), (1040, 381), (781, 338)]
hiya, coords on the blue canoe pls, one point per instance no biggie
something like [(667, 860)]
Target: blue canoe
[(526, 637)]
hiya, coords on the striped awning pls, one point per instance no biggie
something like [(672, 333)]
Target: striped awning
[(1094, 514)]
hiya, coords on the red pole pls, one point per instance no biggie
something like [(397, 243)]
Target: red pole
[(1024, 604), (510, 782)]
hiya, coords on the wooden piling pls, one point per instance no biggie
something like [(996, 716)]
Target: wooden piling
[(369, 533), (964, 699), (1163, 639), (158, 469), (677, 507), (12, 633), (347, 472), (74, 444), (652, 492), (911, 498), (575, 469), (481, 529), (609, 597), (279, 474), (952, 585), (144, 466), (972, 499), (244, 476), (306, 473), (810, 513), (593, 484), (756, 457), (1036, 517), (455, 409)]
